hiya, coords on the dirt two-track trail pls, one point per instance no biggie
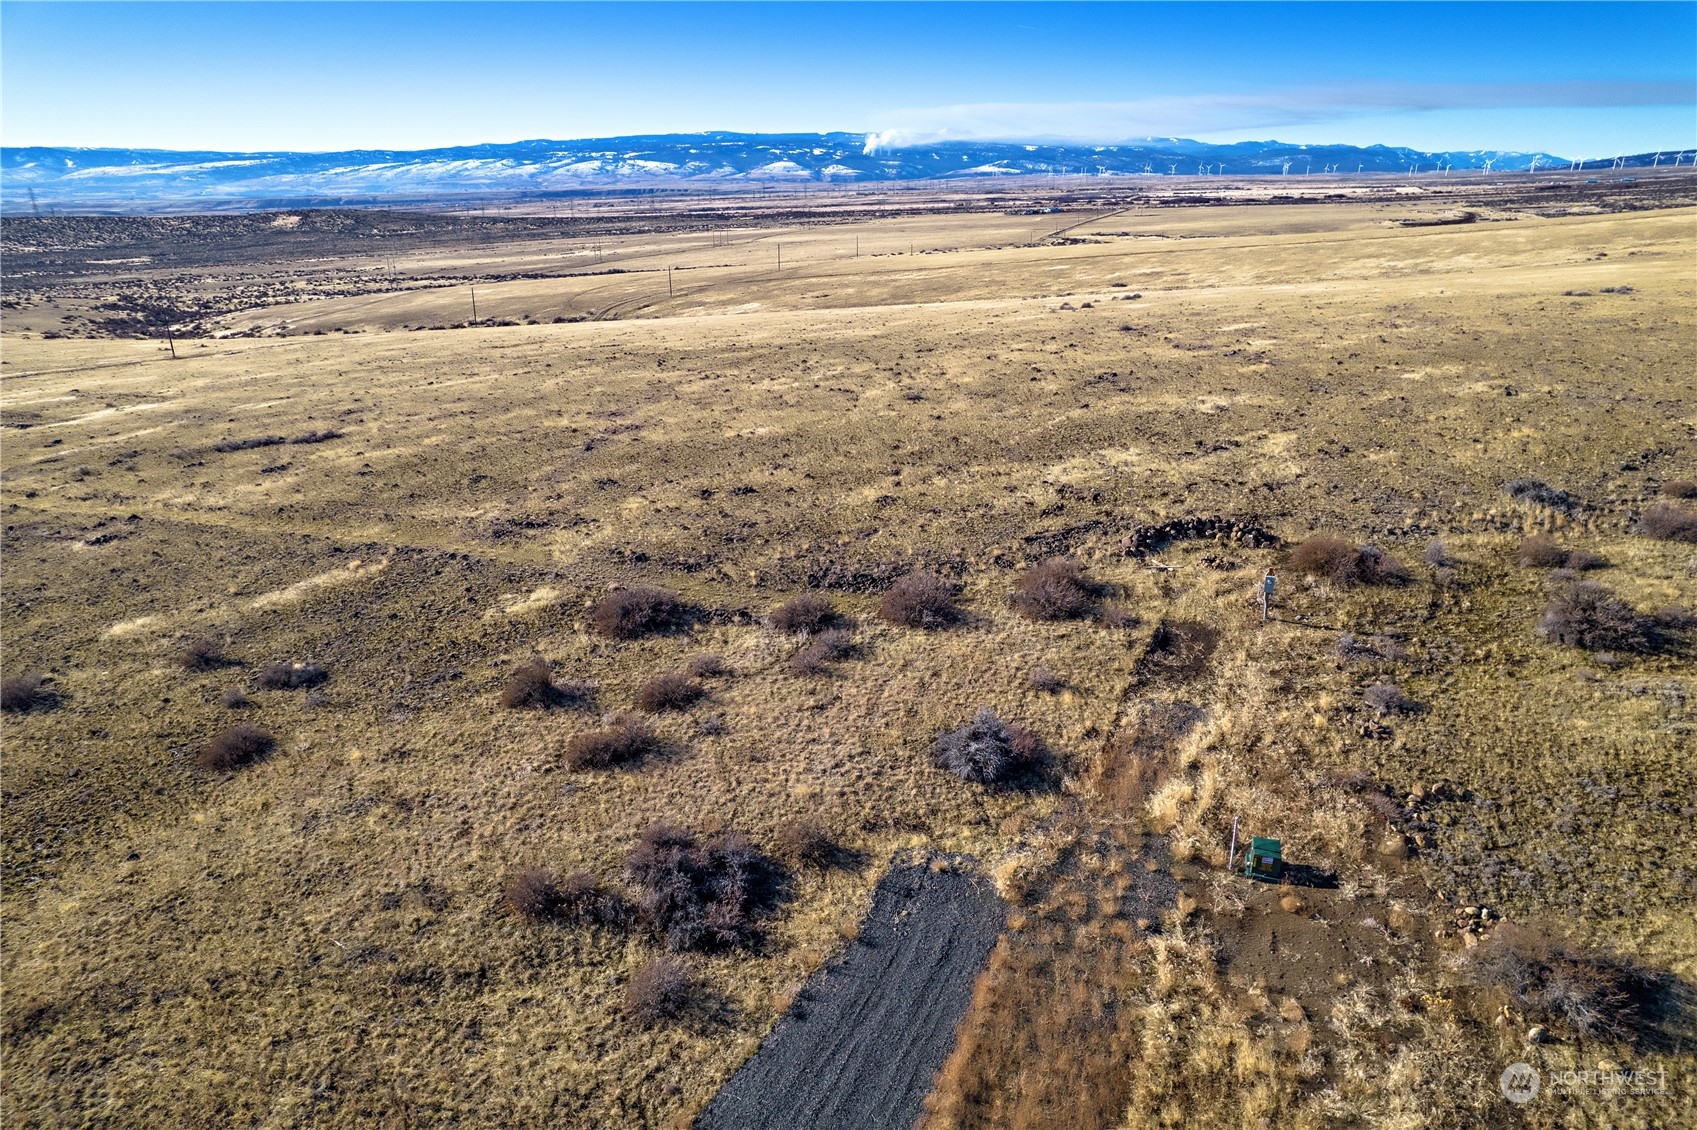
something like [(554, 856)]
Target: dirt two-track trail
[(860, 1045)]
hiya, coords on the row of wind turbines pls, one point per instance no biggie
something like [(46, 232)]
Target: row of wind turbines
[(1578, 164)]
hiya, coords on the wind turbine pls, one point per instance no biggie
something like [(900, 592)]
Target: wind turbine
[(1534, 167), (1657, 162), (1172, 170), (1619, 162), (1489, 161), (1284, 170)]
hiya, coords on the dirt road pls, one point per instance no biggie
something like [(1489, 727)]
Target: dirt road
[(860, 1045)]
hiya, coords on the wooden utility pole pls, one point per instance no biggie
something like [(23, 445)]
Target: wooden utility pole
[(780, 256), (474, 304), (169, 340), (668, 282)]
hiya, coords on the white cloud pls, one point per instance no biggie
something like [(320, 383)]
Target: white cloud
[(1192, 115)]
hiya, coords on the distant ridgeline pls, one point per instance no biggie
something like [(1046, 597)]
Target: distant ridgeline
[(129, 177)]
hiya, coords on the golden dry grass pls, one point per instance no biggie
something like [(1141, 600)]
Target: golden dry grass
[(319, 937)]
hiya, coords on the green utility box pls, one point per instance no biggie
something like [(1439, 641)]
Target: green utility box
[(1266, 860)]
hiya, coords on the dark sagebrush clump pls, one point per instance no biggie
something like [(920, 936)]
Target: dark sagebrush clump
[(639, 611), (201, 655), (235, 747), (316, 436), (532, 686), (587, 901), (1536, 492), (1387, 698), (673, 690), (707, 666), (230, 445), (1373, 566), (828, 645), (1579, 560), (919, 600), (1542, 551), (1044, 680), (234, 698), (1323, 555), (1679, 488), (533, 894), (1669, 523), (1436, 554), (1346, 564), (1588, 615), (622, 741), (26, 693), (1592, 992), (699, 894), (805, 613), (1057, 589), (291, 676), (804, 841), (986, 750), (660, 990)]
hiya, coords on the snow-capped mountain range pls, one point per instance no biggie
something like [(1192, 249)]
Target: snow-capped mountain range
[(119, 177)]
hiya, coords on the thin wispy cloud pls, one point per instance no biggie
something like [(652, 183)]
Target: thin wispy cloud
[(1214, 114)]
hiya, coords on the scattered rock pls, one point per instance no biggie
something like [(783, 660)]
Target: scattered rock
[(1143, 540)]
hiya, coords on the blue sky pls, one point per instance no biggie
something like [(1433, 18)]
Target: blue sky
[(1568, 78)]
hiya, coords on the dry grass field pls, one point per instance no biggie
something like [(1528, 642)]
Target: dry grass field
[(351, 476)]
